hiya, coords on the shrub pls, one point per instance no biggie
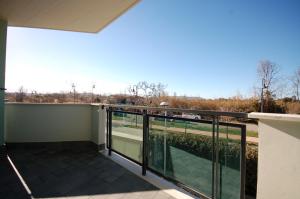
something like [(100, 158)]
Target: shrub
[(293, 107), (201, 146), (251, 169)]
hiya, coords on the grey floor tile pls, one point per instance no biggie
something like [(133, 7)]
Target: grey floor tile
[(72, 170)]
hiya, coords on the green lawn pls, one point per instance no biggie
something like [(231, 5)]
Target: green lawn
[(187, 125), (196, 172), (193, 170)]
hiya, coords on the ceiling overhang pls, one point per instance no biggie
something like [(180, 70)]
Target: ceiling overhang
[(69, 15)]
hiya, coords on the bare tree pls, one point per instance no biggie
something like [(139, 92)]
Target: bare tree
[(147, 90), (296, 83), (133, 90), (20, 95), (268, 74), (159, 90)]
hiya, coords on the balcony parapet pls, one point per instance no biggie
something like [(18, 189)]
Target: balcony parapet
[(278, 155)]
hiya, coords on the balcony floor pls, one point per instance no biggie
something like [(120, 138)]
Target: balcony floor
[(68, 170)]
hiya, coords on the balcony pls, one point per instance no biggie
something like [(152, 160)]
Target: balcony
[(52, 151), (108, 151), (112, 151), (99, 151)]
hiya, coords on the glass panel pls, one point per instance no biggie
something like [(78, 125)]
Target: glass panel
[(229, 162), (187, 155), (127, 135)]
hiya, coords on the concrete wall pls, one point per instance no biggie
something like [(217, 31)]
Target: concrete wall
[(50, 122), (94, 124), (98, 126), (278, 156), (130, 147), (102, 127)]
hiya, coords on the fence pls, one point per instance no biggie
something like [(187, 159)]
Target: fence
[(204, 156)]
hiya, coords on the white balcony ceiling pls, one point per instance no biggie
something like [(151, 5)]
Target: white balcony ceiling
[(70, 15)]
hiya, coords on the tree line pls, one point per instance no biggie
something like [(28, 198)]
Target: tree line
[(274, 87), (273, 93)]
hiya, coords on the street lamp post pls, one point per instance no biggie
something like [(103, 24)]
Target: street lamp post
[(263, 86), (134, 90), (165, 104), (73, 87), (93, 87)]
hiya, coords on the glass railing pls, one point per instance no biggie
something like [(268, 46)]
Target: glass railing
[(206, 157), (229, 161), (182, 151), (127, 135)]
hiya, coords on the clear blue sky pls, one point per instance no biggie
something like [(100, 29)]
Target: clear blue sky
[(197, 47)]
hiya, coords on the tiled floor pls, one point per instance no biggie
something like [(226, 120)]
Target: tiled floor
[(69, 170)]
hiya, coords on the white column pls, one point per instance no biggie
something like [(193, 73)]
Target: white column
[(102, 127), (3, 35), (278, 155)]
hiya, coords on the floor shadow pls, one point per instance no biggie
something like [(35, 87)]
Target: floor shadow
[(72, 169)]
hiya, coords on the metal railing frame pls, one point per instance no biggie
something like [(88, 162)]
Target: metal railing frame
[(215, 136)]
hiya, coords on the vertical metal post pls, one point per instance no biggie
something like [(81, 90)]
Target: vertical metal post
[(243, 161), (165, 145), (3, 36), (145, 141), (136, 121), (213, 158), (109, 130), (217, 175)]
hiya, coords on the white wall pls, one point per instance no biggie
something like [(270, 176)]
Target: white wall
[(95, 124), (102, 126), (48, 122), (278, 156), (98, 127), (128, 146)]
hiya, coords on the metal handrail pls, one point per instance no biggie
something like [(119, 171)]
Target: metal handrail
[(195, 111)]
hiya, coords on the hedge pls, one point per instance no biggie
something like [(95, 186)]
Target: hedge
[(201, 146)]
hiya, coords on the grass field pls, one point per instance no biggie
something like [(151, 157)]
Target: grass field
[(197, 173), (183, 166), (186, 125)]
